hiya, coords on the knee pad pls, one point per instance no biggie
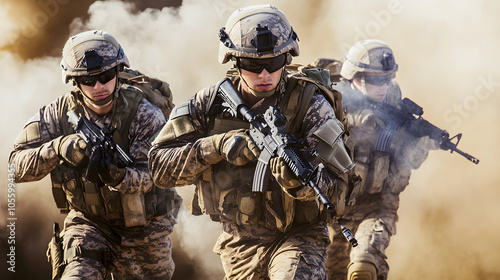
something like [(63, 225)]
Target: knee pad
[(362, 271)]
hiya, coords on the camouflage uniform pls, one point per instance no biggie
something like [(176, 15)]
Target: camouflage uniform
[(96, 244), (275, 240), (385, 174), (280, 233)]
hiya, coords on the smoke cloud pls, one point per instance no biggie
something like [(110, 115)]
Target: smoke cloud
[(447, 54)]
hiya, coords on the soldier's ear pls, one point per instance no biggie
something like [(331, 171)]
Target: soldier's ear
[(288, 58)]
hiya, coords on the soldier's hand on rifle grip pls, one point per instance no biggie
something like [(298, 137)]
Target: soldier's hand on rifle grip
[(71, 148), (109, 172), (282, 173), (236, 147), (367, 119)]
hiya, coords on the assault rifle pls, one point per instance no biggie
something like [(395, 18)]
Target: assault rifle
[(103, 148), (410, 117), (268, 133)]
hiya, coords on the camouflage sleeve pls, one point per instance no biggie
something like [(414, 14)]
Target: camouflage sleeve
[(179, 161), (147, 122), (34, 156), (318, 113)]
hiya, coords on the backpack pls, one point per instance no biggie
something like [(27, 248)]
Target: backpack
[(330, 64), (321, 81), (154, 90)]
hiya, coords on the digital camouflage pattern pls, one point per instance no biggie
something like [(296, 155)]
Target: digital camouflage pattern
[(384, 176), (36, 158), (144, 252), (241, 29), (255, 245), (138, 253), (183, 162), (74, 62)]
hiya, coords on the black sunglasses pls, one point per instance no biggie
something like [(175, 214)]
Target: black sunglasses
[(256, 65), (103, 78), (378, 80)]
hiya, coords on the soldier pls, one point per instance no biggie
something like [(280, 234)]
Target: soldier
[(121, 222), (279, 234), (384, 157)]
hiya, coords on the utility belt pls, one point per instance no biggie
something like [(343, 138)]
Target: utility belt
[(72, 191)]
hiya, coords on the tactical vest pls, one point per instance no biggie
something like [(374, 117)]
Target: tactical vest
[(215, 193), (72, 191), (373, 164)]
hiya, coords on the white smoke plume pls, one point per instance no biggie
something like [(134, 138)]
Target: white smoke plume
[(447, 53)]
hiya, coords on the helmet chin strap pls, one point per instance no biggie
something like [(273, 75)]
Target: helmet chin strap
[(265, 94)]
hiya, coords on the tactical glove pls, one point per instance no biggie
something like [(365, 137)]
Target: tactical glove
[(236, 147), (70, 148), (109, 172), (367, 119), (414, 151), (282, 173)]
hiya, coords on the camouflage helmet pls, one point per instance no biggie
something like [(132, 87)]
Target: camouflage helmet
[(373, 56), (91, 52), (260, 31)]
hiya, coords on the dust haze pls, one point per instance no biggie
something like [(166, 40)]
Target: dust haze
[(448, 63)]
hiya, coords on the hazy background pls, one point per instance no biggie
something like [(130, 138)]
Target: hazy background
[(448, 63)]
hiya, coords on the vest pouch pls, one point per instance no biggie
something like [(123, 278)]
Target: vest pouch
[(58, 193), (112, 203), (380, 165), (306, 212), (362, 170), (134, 210), (227, 205), (205, 191), (93, 199), (249, 205)]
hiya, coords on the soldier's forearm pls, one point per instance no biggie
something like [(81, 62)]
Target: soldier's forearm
[(137, 179), (178, 166)]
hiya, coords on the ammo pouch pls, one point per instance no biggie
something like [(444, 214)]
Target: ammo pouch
[(374, 171), (217, 196), (71, 190), (134, 210)]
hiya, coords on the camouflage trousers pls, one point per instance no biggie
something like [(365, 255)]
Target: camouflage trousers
[(143, 253), (252, 253), (373, 233)]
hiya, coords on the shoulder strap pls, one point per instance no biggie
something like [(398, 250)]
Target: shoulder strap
[(67, 103), (132, 96)]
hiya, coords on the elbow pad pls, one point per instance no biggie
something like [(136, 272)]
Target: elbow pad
[(331, 148)]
